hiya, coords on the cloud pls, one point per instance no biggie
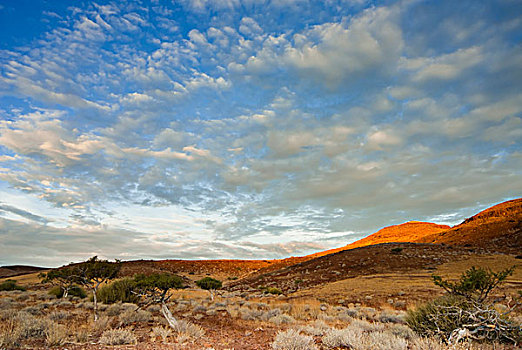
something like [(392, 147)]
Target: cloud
[(22, 213), (235, 133)]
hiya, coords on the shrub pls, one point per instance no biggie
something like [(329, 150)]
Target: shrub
[(10, 334), (118, 291), (382, 340), (118, 337), (282, 319), (293, 340), (317, 328), (74, 291), (9, 285), (162, 332), (59, 315), (81, 335), (344, 338), (475, 284), (132, 316), (101, 324), (30, 326), (55, 335), (396, 250), (463, 313), (187, 329), (210, 284), (273, 290)]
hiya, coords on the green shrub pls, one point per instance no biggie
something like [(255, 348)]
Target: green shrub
[(209, 283), (396, 250), (10, 285), (75, 291), (474, 284), (120, 290), (273, 290)]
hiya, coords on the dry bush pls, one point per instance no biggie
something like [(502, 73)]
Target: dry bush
[(199, 308), (131, 316), (345, 338), (23, 297), (365, 326), (248, 314), (186, 329), (102, 324), (317, 328), (30, 326), (10, 334), (59, 315), (381, 340), (402, 331), (114, 309), (282, 319), (118, 337), (33, 310), (436, 344), (154, 308), (160, 331), (233, 311), (8, 314), (81, 334), (389, 316), (293, 340), (7, 303), (55, 334)]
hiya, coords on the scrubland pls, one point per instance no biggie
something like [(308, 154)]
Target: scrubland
[(233, 320)]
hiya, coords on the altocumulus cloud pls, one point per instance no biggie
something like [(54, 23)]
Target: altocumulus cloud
[(250, 129)]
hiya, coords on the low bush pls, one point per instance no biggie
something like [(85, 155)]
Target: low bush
[(10, 334), (118, 291), (9, 285), (273, 290), (186, 329), (30, 326), (161, 331), (75, 291), (55, 334), (292, 340), (132, 316), (282, 319), (118, 337)]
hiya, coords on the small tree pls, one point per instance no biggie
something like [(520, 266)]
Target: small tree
[(156, 289), (64, 277), (475, 284), (465, 312), (210, 284), (92, 273)]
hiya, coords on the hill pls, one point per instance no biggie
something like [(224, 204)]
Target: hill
[(498, 228), (17, 270), (410, 231)]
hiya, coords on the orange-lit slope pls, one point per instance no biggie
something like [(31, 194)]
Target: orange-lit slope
[(410, 231), (498, 227)]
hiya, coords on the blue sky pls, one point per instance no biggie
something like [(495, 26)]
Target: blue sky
[(249, 129)]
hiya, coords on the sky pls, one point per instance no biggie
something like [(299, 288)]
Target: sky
[(249, 129)]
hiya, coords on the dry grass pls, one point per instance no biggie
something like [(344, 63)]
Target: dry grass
[(162, 332), (118, 337), (55, 335)]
